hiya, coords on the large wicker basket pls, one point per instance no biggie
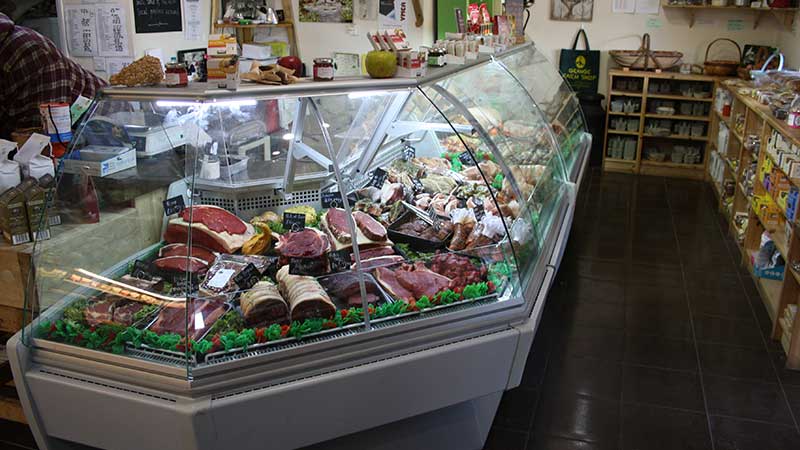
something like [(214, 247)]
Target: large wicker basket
[(646, 59), (722, 67)]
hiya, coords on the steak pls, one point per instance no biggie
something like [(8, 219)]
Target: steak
[(186, 250), (370, 227), (459, 269), (181, 264), (201, 316), (123, 314), (212, 227), (387, 278), (367, 264), (420, 281), (369, 253), (336, 223), (355, 300), (344, 285), (309, 243), (99, 312)]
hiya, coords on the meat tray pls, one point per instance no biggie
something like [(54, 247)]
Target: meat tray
[(328, 280), (208, 327), (419, 244)]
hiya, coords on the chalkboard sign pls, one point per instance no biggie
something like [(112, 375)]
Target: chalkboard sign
[(339, 260), (378, 178), (294, 222), (331, 200), (157, 16), (181, 285), (248, 277), (478, 210), (466, 158), (173, 205), (307, 266), (409, 152), (418, 187), (142, 270)]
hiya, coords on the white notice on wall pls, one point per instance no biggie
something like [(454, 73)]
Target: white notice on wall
[(81, 30), (99, 64), (115, 65), (112, 27), (623, 6), (647, 6), (192, 19), (393, 14)]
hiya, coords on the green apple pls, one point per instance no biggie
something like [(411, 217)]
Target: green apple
[(381, 64)]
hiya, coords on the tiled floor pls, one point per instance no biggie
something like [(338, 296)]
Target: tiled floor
[(653, 337)]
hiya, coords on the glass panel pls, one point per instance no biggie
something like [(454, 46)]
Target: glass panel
[(516, 133), (554, 97)]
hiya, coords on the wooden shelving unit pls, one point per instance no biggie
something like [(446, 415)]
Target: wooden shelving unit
[(647, 113), (245, 32), (776, 295), (784, 16)]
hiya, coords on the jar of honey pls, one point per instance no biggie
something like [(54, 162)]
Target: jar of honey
[(176, 74)]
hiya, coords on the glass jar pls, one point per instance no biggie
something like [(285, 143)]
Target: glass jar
[(176, 75), (437, 57), (323, 69)]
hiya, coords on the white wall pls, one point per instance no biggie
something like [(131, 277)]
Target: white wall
[(789, 43), (609, 31)]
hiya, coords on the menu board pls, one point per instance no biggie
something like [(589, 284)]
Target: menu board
[(157, 16)]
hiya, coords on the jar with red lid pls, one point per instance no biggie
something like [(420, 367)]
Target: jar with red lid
[(323, 69), (176, 75)]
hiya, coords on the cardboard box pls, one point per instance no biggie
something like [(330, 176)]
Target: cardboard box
[(222, 45), (100, 160)]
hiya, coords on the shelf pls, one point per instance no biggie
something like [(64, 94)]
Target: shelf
[(621, 161), (624, 114), (646, 162), (729, 163), (785, 16), (678, 117), (679, 98), (626, 94), (253, 25), (771, 295), (626, 133), (677, 136), (726, 120), (737, 136)]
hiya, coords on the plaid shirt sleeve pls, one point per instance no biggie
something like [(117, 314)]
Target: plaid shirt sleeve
[(37, 72)]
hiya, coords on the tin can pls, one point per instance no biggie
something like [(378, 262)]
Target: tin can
[(56, 121)]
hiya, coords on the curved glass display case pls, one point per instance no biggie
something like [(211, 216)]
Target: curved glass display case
[(208, 236)]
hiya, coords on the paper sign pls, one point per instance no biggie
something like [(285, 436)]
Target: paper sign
[(192, 29), (735, 24), (623, 6), (647, 6), (115, 65), (112, 31), (81, 30), (653, 23), (99, 64)]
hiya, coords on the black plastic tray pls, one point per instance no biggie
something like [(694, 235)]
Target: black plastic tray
[(418, 244)]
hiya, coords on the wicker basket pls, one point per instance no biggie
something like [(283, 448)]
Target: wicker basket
[(722, 67), (644, 58)]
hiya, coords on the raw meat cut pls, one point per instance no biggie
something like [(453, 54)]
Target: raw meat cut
[(335, 221), (123, 314), (263, 305), (309, 243), (374, 252), (181, 264), (369, 226), (387, 278), (420, 280), (345, 288), (200, 317), (355, 300), (212, 227), (305, 296), (186, 250), (459, 269), (367, 264), (391, 192), (100, 312), (221, 277)]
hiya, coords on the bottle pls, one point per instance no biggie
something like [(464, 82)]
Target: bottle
[(793, 118)]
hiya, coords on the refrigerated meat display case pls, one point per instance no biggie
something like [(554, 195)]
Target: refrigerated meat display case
[(350, 264)]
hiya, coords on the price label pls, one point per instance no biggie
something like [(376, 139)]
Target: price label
[(173, 205), (183, 286), (339, 260), (307, 266), (434, 218), (479, 211), (271, 267), (418, 187), (294, 222), (142, 270), (331, 199), (466, 159), (378, 178), (247, 277), (409, 152)]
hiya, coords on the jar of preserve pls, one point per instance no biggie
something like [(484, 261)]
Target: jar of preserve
[(176, 74), (323, 69), (437, 57)]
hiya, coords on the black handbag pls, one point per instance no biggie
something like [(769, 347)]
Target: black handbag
[(581, 68)]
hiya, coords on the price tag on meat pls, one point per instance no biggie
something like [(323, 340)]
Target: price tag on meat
[(248, 277), (339, 260), (409, 152), (434, 218), (307, 266), (182, 286), (173, 205), (466, 158), (294, 222), (331, 199), (378, 178), (478, 210), (418, 187), (142, 270)]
